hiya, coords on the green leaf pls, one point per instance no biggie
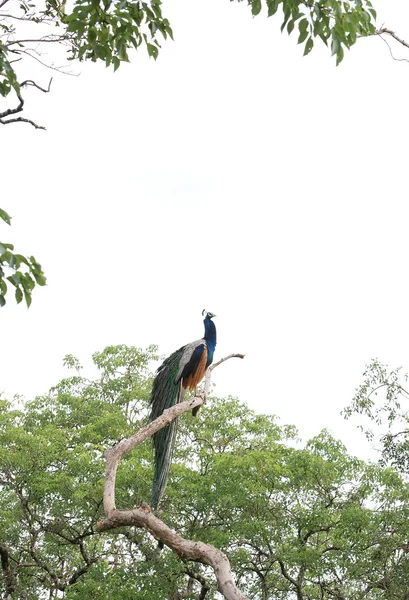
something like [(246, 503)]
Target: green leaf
[(74, 26), (21, 259), (308, 46), (152, 50), (12, 261), (27, 282), (5, 216), (302, 37), (272, 6), (168, 29), (2, 300), (40, 279), (15, 279), (116, 63), (303, 25), (27, 296), (284, 24), (334, 46), (19, 295), (255, 7), (340, 55)]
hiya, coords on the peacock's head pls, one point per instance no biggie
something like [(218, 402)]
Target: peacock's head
[(207, 315)]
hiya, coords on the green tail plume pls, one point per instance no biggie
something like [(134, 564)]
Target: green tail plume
[(165, 393)]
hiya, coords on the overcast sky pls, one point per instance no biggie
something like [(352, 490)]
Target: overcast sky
[(233, 175)]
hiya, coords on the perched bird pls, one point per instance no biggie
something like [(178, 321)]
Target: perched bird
[(183, 370)]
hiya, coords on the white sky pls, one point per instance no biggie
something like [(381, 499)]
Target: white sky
[(233, 175)]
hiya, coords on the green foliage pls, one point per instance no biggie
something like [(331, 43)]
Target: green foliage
[(383, 400), (336, 22), (21, 272), (52, 470), (105, 30), (306, 521), (8, 77)]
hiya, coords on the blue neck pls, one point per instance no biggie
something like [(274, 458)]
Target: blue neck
[(210, 335)]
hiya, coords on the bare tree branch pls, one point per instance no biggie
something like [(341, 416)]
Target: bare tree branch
[(34, 84), (22, 120), (19, 108), (28, 51), (143, 517), (385, 30), (205, 586), (47, 38)]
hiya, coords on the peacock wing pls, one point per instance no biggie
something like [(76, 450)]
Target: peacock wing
[(192, 365), (165, 388)]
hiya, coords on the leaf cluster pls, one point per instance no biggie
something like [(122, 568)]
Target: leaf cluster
[(106, 30), (22, 272), (382, 400), (337, 23)]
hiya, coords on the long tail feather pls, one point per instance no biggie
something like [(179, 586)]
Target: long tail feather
[(163, 448), (165, 393)]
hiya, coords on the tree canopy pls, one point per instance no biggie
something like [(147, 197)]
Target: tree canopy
[(107, 30), (305, 521)]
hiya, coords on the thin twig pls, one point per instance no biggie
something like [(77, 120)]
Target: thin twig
[(47, 38), (28, 17), (392, 34), (391, 53), (34, 84), (19, 108), (58, 69)]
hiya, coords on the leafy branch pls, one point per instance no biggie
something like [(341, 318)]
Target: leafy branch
[(336, 22), (97, 30), (21, 272), (383, 398), (107, 30)]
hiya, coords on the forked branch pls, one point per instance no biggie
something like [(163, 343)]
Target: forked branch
[(19, 108), (386, 31), (143, 517)]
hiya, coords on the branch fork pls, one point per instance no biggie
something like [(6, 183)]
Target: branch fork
[(142, 515)]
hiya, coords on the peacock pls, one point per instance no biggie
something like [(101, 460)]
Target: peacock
[(183, 370)]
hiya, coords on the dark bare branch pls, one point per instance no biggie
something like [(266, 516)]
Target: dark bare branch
[(286, 574), (12, 111), (8, 574), (22, 120), (19, 108), (198, 577), (34, 84)]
